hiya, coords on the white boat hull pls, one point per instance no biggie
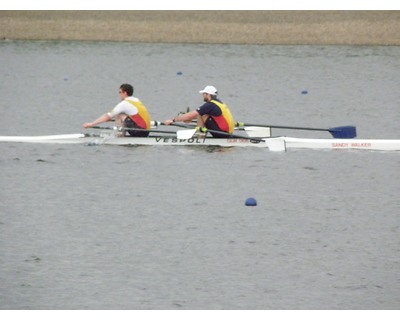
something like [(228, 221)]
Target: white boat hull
[(57, 138), (273, 144)]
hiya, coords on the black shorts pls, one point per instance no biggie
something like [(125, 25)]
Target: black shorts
[(210, 124), (129, 123)]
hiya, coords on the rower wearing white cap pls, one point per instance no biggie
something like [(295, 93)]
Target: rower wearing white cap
[(213, 114)]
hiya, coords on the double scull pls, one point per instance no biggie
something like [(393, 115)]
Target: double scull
[(272, 143)]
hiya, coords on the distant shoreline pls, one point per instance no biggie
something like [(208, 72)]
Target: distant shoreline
[(224, 27)]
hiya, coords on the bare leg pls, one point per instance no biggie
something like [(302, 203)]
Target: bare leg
[(201, 120), (119, 122)]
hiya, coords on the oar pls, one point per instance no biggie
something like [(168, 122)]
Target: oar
[(273, 143), (176, 124), (180, 134), (189, 133), (185, 134), (136, 129), (344, 132)]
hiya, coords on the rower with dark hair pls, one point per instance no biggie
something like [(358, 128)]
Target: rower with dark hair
[(129, 113)]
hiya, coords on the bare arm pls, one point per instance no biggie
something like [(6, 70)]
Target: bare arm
[(104, 118), (183, 117)]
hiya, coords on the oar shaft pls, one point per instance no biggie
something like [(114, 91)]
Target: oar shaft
[(136, 129), (227, 134), (230, 135), (241, 124)]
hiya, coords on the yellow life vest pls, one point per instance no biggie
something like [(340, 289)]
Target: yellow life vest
[(225, 122), (142, 118)]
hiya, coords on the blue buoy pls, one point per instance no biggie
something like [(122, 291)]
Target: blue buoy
[(179, 73), (250, 202), (304, 92)]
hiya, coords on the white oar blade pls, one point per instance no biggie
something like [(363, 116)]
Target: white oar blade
[(276, 144), (260, 132), (185, 134)]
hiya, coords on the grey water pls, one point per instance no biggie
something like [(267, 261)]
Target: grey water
[(111, 227)]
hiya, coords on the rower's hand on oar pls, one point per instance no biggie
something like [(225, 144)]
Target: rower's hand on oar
[(168, 122)]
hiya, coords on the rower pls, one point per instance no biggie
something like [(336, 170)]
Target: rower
[(129, 113), (213, 114)]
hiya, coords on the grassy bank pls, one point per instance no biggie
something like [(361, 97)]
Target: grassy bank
[(234, 27)]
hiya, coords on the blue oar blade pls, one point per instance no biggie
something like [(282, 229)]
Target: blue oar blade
[(345, 132)]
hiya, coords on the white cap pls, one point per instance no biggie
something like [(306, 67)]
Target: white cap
[(210, 90)]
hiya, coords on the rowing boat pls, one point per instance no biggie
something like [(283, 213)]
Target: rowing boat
[(271, 143)]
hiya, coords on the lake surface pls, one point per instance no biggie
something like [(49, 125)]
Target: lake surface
[(108, 227)]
